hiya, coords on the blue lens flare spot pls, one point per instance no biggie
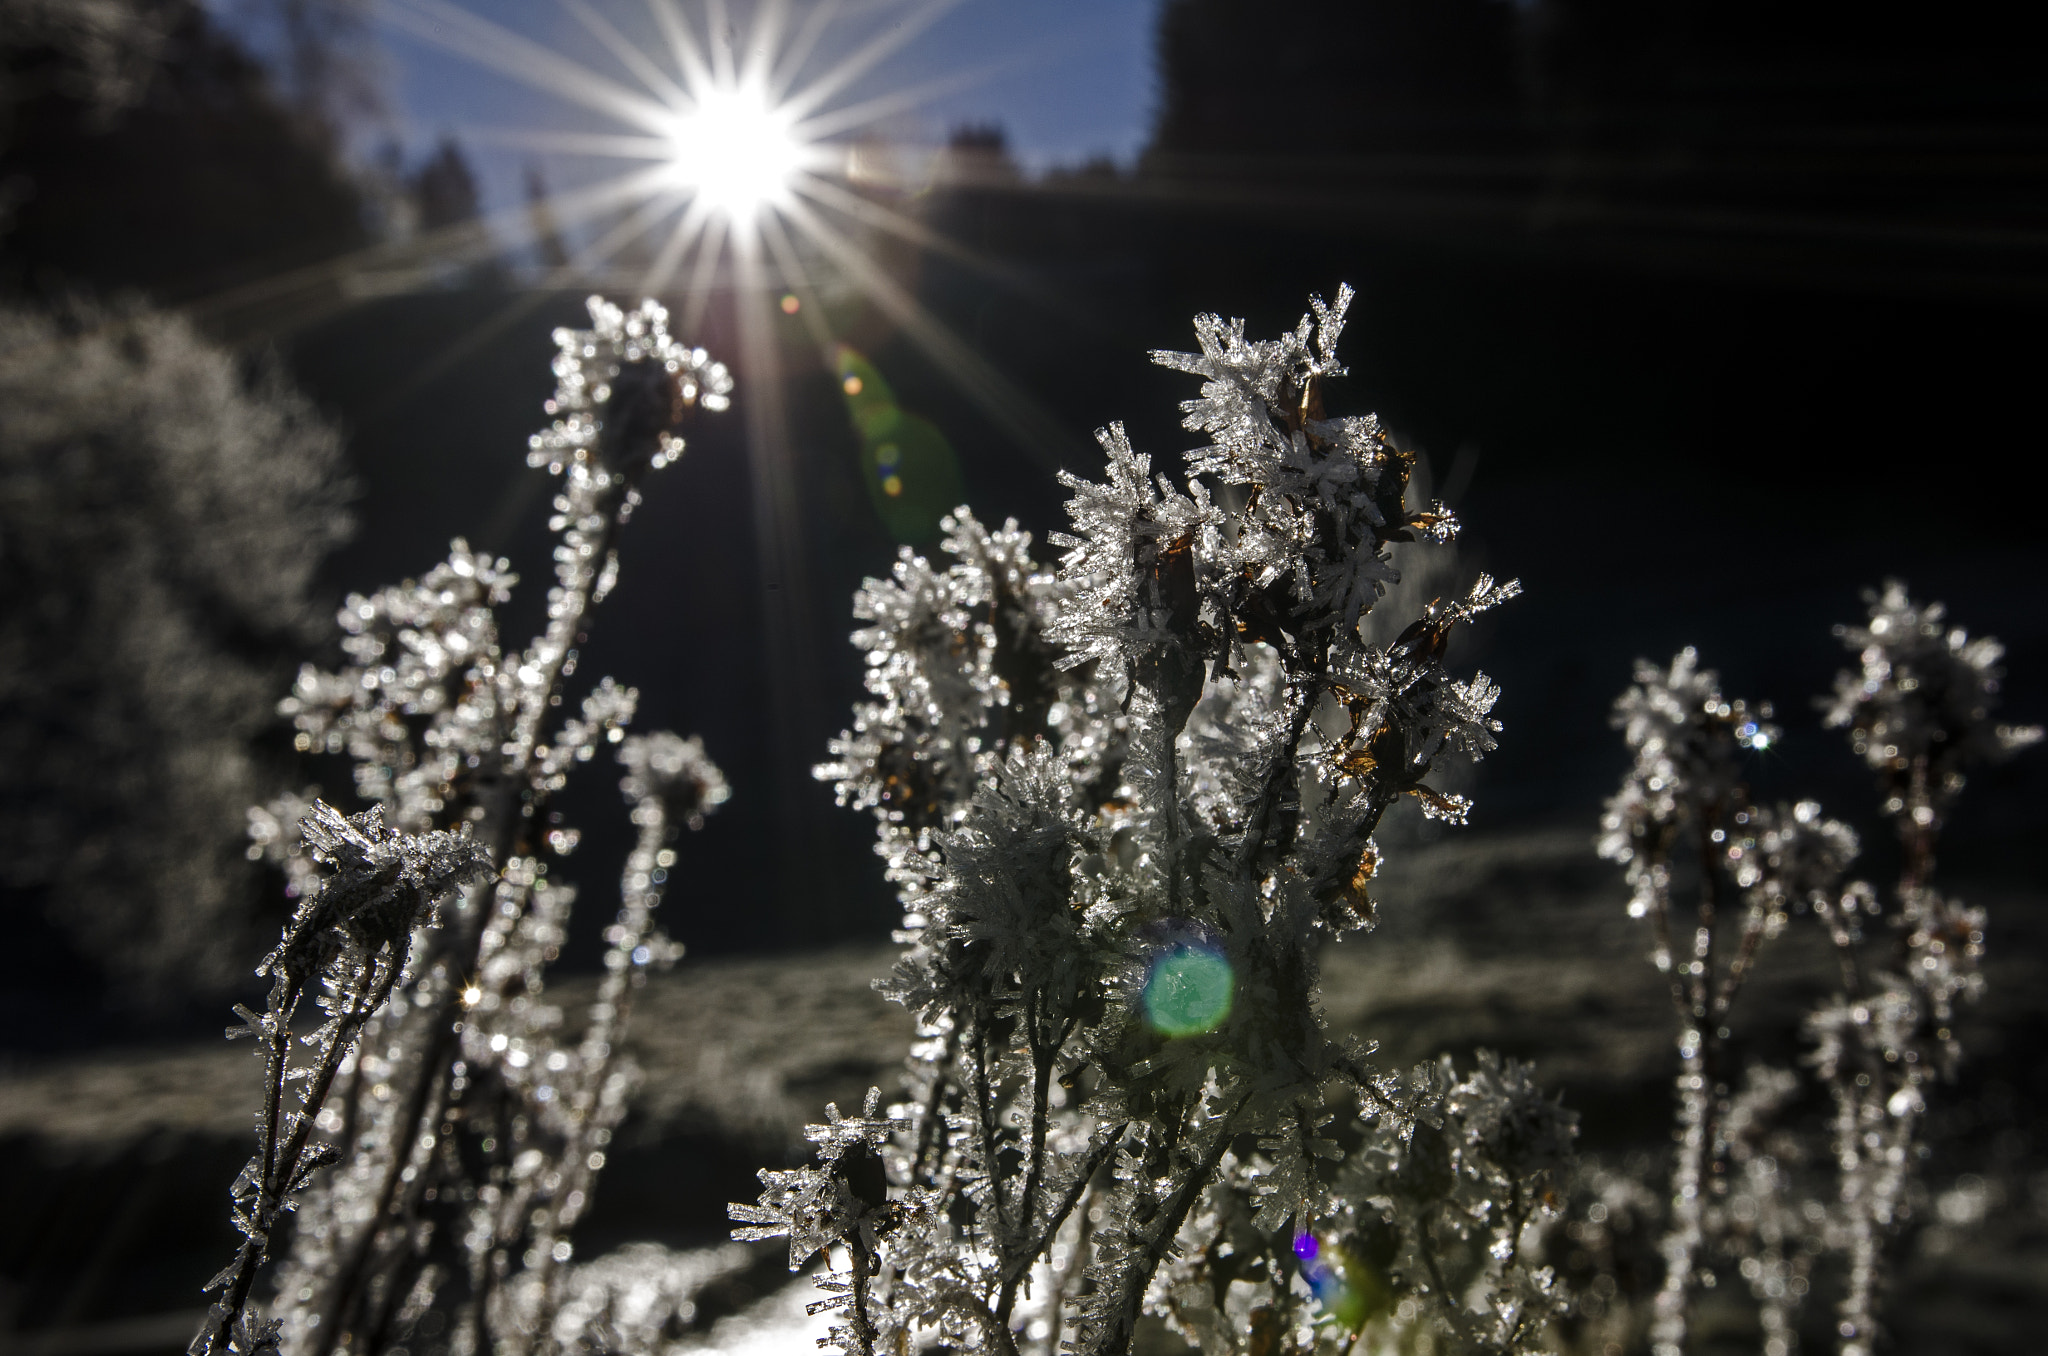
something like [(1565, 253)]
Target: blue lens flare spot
[(1188, 991), (1348, 1292)]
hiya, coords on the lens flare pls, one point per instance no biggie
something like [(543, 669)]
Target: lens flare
[(1189, 990), (912, 476), (1347, 1290)]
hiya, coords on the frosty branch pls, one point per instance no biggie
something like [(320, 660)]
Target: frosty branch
[(352, 934)]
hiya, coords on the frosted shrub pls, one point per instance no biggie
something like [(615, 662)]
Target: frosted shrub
[(1126, 800), (1918, 710), (464, 1131), (161, 517)]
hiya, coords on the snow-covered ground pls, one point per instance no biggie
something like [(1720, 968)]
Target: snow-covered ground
[(775, 1326)]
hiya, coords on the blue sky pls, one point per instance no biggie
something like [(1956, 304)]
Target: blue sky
[(1066, 79)]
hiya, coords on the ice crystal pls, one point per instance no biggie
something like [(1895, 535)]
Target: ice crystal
[(1126, 801), (674, 773)]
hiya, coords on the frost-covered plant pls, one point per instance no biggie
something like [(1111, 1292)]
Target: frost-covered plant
[(1126, 801), (465, 1130), (1685, 792), (1919, 712), (351, 936)]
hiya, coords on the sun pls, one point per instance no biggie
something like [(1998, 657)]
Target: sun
[(736, 151)]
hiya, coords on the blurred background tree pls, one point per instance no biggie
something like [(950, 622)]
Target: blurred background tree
[(164, 501), (177, 174), (162, 508)]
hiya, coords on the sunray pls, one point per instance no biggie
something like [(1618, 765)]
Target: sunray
[(668, 16), (588, 261), (800, 47), (762, 36), (832, 196), (799, 282), (464, 242), (863, 59), (457, 30), (897, 101), (718, 34), (708, 251), (688, 227), (1033, 431), (578, 205), (778, 515), (795, 682), (629, 228), (610, 145), (631, 57)]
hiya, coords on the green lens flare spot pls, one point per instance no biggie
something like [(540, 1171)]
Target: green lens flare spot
[(1188, 991), (910, 471)]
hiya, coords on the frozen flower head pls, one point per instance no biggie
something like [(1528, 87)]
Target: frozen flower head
[(1793, 853), (1250, 386), (843, 1198), (1123, 817), (382, 884), (1918, 707), (1506, 1117), (1134, 565), (675, 771), (622, 388), (1688, 741), (1308, 552)]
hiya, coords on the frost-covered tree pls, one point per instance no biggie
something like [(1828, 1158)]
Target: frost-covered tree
[(1126, 800), (97, 50), (462, 1130), (161, 515), (1918, 710)]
